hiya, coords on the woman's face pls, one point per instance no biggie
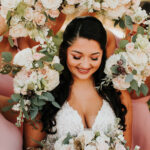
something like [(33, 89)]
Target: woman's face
[(84, 58)]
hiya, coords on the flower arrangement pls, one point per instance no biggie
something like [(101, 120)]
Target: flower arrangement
[(129, 67), (35, 75), (90, 140)]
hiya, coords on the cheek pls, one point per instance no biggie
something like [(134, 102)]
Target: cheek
[(71, 62)]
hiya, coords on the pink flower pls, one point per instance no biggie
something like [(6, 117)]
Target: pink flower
[(119, 147), (39, 18), (130, 47)]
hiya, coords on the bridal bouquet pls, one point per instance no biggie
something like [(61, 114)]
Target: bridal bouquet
[(90, 140), (35, 75), (29, 17), (129, 67)]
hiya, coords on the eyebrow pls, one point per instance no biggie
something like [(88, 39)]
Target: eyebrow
[(82, 53)]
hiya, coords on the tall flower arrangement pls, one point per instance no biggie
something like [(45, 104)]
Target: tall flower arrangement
[(35, 75)]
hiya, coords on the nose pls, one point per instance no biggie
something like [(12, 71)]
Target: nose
[(85, 64)]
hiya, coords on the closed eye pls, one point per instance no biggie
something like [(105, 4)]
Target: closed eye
[(94, 59), (77, 58)]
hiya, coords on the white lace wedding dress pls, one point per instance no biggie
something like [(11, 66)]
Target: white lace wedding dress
[(69, 120)]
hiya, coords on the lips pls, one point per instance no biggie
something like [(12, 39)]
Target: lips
[(83, 71)]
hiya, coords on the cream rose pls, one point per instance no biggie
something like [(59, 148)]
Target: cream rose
[(51, 4), (68, 9), (29, 14), (119, 147), (10, 4), (18, 31), (130, 47), (39, 18), (73, 2), (29, 2), (38, 6)]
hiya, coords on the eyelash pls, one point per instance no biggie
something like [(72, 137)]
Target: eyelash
[(77, 58)]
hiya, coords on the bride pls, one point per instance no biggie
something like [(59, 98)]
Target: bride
[(83, 106)]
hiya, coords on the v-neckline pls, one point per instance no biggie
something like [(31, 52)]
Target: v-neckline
[(81, 117)]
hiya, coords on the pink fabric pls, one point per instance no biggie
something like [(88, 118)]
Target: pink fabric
[(141, 123), (10, 136), (6, 85)]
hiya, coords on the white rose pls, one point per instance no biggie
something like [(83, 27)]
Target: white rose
[(53, 13), (120, 84), (29, 2), (24, 58), (39, 18), (110, 4), (38, 6), (16, 107), (52, 79), (51, 4), (90, 147), (18, 31), (123, 2), (138, 58), (130, 47), (68, 9), (11, 4), (29, 14), (119, 147), (96, 6), (115, 13), (15, 20), (139, 15), (137, 147), (37, 56), (102, 146)]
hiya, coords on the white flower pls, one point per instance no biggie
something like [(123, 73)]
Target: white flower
[(10, 4), (56, 60), (3, 11), (16, 107), (15, 20), (24, 58), (102, 146), (68, 9), (123, 2), (138, 58), (51, 4), (30, 2), (139, 15), (39, 18), (115, 13), (90, 147), (110, 4), (18, 31), (130, 47), (29, 14), (137, 147), (53, 13), (142, 42), (120, 84), (96, 6), (38, 6), (119, 146), (27, 102)]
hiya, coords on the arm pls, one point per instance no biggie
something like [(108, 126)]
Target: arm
[(126, 100), (3, 26), (30, 134)]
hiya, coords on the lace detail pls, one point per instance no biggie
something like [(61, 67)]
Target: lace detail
[(68, 120)]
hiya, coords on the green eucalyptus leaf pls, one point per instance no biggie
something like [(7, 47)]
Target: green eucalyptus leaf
[(140, 30), (129, 89), (134, 85), (41, 103), (10, 101), (134, 38), (55, 104), (116, 22), (144, 89), (134, 72), (114, 69), (58, 67), (15, 97), (10, 40), (47, 97), (34, 100), (20, 10), (129, 78), (121, 24), (119, 50), (7, 57), (123, 43), (26, 114), (47, 58), (66, 140), (40, 63), (33, 113), (7, 108), (128, 22)]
